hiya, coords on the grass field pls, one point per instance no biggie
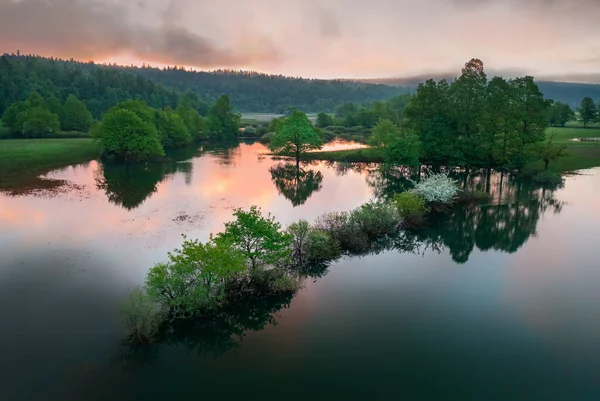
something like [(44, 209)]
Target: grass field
[(25, 159), (581, 154)]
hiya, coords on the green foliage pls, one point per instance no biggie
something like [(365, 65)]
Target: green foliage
[(560, 114), (75, 116), (259, 238), (375, 219), (143, 317), (546, 151), (324, 120), (410, 205), (222, 121), (276, 123), (296, 135), (11, 120), (124, 134), (192, 119), (172, 129), (344, 232), (38, 122), (400, 146), (588, 112), (139, 107), (310, 245), (195, 277), (548, 177), (266, 138)]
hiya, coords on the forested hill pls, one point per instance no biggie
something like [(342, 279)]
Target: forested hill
[(102, 86)]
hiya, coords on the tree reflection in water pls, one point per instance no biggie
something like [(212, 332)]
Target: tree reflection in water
[(295, 183)]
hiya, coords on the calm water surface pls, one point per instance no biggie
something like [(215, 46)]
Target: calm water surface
[(498, 302)]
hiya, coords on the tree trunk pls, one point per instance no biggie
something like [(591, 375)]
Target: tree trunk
[(546, 162)]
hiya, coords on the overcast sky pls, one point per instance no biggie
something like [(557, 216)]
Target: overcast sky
[(314, 38)]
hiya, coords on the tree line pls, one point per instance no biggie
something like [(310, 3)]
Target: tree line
[(101, 86)]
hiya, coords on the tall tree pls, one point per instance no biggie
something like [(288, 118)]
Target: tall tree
[(296, 135), (532, 109), (428, 115), (75, 116), (588, 112), (467, 96), (222, 121), (560, 114)]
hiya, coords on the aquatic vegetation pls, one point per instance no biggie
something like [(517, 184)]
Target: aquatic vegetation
[(143, 316)]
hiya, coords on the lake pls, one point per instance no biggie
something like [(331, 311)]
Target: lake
[(496, 302)]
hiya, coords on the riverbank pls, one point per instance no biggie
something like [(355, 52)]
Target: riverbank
[(23, 160)]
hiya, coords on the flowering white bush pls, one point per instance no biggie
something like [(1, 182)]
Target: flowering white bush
[(437, 188)]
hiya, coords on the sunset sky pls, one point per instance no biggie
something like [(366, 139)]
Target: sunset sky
[(314, 38)]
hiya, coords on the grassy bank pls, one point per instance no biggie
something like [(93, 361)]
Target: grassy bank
[(22, 160), (581, 154)]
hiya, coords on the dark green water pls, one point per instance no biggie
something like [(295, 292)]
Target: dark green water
[(498, 302)]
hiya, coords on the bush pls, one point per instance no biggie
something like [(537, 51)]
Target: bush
[(142, 316), (344, 231), (272, 281), (375, 219), (266, 138), (411, 207), (195, 277), (548, 177), (437, 188), (310, 245)]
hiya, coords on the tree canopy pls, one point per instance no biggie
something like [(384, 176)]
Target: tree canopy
[(295, 135), (588, 112)]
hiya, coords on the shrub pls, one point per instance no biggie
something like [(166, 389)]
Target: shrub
[(344, 231), (410, 204), (142, 316), (438, 188), (411, 207), (259, 238), (310, 245), (194, 279), (547, 177), (375, 219), (266, 138), (272, 280)]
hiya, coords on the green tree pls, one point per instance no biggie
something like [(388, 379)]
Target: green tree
[(195, 277), (36, 100), (467, 95), (124, 134), (428, 115), (560, 114), (191, 117), (499, 141), (54, 105), (11, 120), (531, 109), (39, 122), (324, 120), (259, 238), (296, 135), (75, 116), (276, 124), (588, 112), (139, 107), (403, 149), (399, 103), (222, 121), (383, 133), (547, 151), (172, 129)]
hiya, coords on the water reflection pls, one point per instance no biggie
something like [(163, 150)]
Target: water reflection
[(295, 183), (130, 184)]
